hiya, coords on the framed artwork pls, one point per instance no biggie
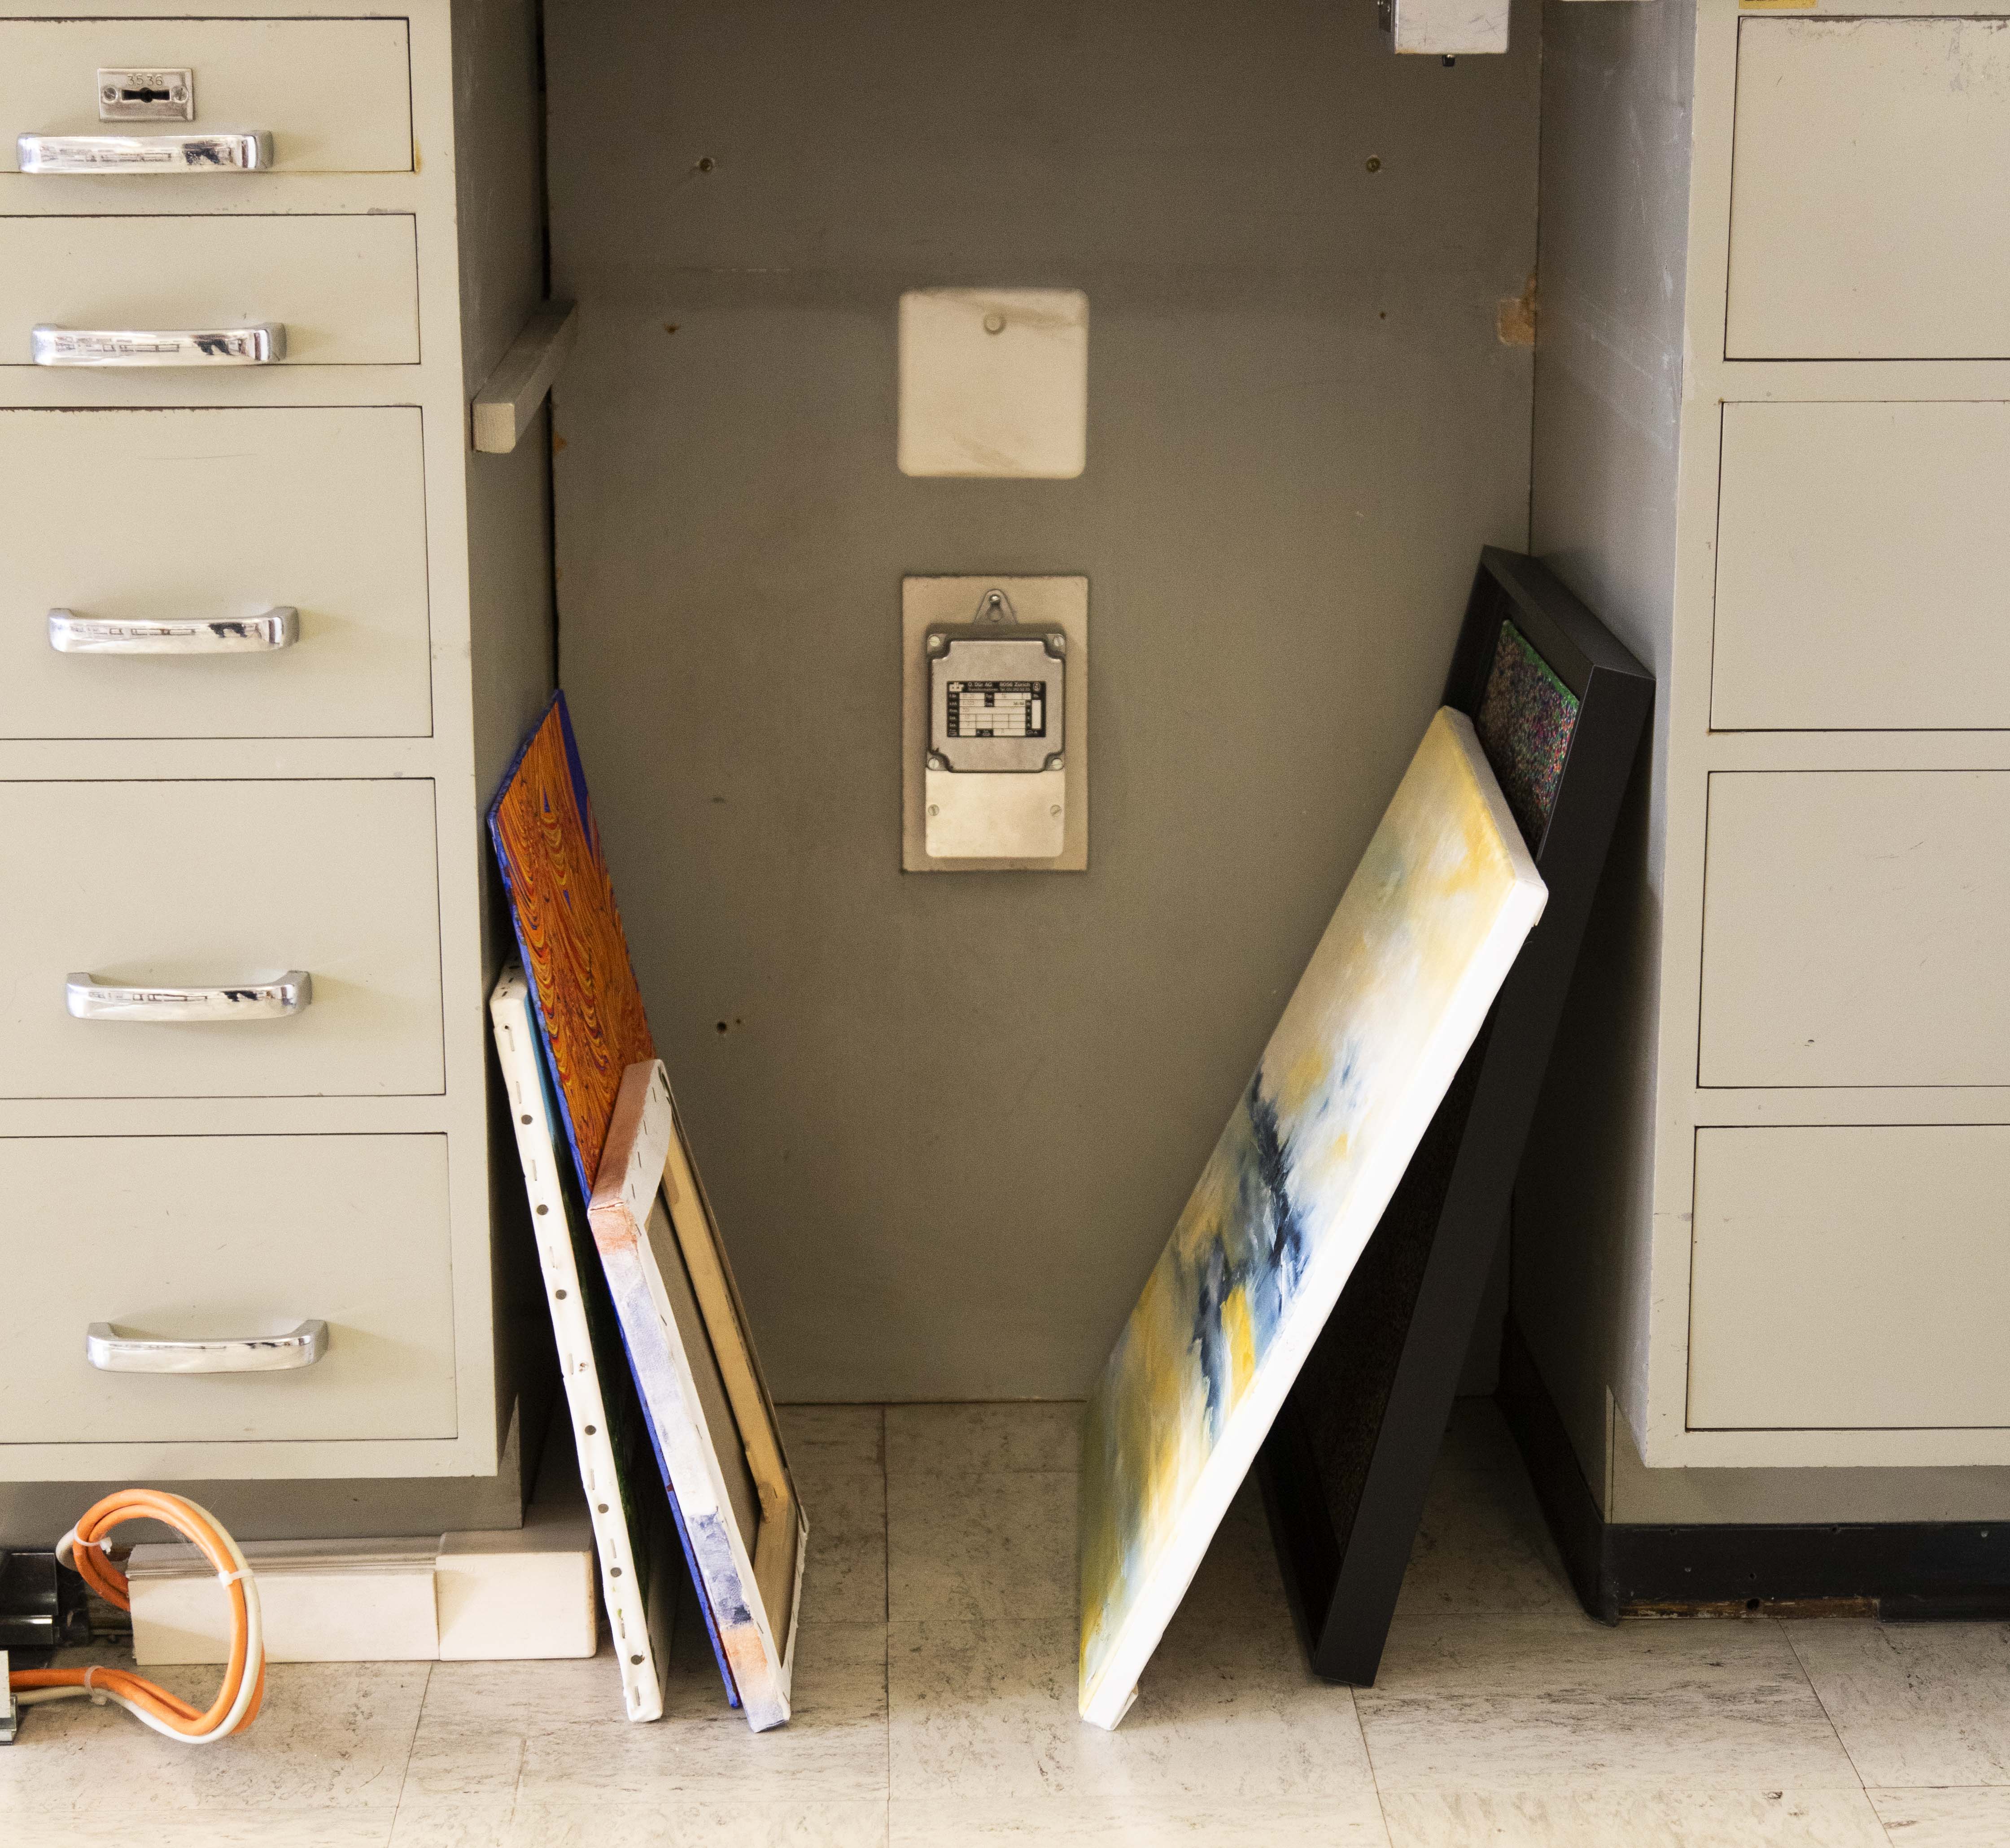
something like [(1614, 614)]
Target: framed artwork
[(634, 1525), (1560, 709), (687, 1337), (1369, 1042)]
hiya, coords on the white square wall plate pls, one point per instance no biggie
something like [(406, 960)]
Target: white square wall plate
[(994, 381)]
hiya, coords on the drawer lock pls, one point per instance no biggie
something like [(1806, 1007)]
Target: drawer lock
[(133, 95)]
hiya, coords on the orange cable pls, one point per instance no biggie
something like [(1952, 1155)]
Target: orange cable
[(202, 1529)]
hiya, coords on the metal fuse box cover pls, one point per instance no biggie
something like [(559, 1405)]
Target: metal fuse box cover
[(996, 697)]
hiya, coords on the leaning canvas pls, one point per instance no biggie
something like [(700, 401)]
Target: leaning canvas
[(1394, 995), (588, 1005)]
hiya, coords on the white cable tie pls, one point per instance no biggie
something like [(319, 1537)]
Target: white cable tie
[(97, 1698), (231, 1578)]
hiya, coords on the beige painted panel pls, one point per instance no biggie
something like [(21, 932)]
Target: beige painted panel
[(189, 1237), (1853, 928), (346, 286), (1869, 215), (1863, 568), (217, 513), (335, 93), (1850, 1278), (196, 884)]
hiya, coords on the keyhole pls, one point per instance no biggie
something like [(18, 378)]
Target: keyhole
[(145, 96)]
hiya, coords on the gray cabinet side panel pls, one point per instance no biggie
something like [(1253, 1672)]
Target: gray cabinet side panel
[(1617, 84)]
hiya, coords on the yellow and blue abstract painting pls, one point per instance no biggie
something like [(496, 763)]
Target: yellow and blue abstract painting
[(1394, 995)]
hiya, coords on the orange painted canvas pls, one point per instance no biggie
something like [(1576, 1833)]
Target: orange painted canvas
[(569, 933)]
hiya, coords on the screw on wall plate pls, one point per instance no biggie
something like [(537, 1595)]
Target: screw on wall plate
[(1057, 643), (1375, 163), (994, 606), (938, 644), (994, 323), (1055, 809), (933, 809), (937, 761)]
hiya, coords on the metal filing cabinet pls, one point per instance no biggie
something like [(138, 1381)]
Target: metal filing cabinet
[(1762, 1223), (269, 630)]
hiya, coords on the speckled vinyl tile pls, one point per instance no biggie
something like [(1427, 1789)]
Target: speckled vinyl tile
[(578, 1821), (980, 1547), (552, 1735), (331, 1737), (1354, 1821), (935, 1441), (1600, 1818), (1522, 1702), (1481, 1547), (1971, 1816), (984, 1714), (820, 1439), (1917, 1703)]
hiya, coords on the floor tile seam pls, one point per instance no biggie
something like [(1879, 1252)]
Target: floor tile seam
[(1368, 1757), (1841, 1744), (411, 1752)]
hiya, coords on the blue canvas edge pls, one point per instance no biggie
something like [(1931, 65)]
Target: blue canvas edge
[(556, 1092)]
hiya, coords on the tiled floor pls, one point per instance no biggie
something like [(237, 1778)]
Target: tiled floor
[(935, 1704)]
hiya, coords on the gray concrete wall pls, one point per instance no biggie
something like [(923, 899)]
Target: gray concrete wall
[(948, 1120)]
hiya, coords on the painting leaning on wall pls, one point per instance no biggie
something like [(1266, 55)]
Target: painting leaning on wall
[(1392, 998)]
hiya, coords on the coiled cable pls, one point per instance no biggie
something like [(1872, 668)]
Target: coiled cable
[(84, 1549)]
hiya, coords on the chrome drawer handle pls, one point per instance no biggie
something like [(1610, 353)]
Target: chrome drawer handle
[(261, 344), (70, 634), (112, 1352), (90, 999), (248, 152)]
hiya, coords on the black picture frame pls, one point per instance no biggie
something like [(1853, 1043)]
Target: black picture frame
[(1346, 1467)]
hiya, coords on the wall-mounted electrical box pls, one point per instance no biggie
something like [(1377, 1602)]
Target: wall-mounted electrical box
[(995, 727)]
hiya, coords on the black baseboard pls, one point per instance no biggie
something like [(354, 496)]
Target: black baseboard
[(1918, 1570)]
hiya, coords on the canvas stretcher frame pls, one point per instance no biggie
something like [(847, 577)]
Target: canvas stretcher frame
[(633, 1523), (1375, 1031), (1347, 1466), (714, 1419)]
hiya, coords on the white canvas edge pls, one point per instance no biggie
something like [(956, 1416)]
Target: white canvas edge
[(537, 1149), (1106, 1701), (725, 1569)]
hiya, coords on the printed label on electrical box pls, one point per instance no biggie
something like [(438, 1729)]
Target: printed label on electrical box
[(997, 709)]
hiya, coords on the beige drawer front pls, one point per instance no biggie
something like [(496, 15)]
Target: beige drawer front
[(336, 94), (1869, 218), (1863, 568), (1850, 1278), (1853, 928), (173, 884), (210, 1237), (159, 516), (345, 286)]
